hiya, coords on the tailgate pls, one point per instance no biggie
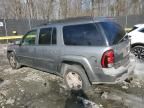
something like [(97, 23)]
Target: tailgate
[(122, 51)]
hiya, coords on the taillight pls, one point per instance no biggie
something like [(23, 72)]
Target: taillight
[(107, 60)]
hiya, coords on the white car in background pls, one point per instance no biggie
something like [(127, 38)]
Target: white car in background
[(137, 41)]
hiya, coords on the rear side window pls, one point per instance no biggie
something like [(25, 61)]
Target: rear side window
[(47, 36), (83, 35), (113, 31), (142, 30)]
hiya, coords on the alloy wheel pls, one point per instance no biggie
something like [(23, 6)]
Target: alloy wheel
[(138, 51)]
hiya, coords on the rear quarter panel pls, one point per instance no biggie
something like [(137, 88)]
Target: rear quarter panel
[(89, 57)]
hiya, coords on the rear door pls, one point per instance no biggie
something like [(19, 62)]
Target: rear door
[(47, 51), (115, 35)]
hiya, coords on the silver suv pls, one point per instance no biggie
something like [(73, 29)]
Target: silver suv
[(84, 51)]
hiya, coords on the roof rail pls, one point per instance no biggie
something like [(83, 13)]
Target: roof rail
[(69, 19)]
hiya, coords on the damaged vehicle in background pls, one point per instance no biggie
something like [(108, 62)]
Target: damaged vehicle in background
[(84, 51), (137, 41)]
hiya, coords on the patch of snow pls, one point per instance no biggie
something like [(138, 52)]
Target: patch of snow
[(139, 66), (10, 101), (125, 87), (5, 82)]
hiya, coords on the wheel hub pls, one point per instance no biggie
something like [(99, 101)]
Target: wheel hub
[(74, 80), (12, 61)]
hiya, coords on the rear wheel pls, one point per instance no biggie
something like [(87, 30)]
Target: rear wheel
[(75, 78), (13, 61), (138, 51)]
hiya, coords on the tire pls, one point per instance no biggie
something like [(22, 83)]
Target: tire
[(13, 61), (75, 78), (138, 51)]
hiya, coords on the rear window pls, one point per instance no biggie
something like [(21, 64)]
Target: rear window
[(113, 31), (83, 35)]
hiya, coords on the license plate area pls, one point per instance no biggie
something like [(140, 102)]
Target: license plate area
[(123, 62)]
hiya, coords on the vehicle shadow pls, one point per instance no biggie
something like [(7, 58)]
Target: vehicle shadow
[(1, 80), (75, 99)]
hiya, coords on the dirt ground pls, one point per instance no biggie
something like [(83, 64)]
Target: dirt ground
[(30, 88)]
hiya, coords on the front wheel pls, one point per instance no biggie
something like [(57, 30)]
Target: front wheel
[(138, 51), (75, 78), (13, 61)]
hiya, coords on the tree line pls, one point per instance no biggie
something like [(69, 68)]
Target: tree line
[(61, 9)]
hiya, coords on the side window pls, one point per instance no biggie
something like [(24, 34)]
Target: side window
[(29, 38), (141, 30), (47, 36), (83, 35), (113, 32)]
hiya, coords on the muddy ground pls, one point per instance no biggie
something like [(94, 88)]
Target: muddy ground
[(30, 88)]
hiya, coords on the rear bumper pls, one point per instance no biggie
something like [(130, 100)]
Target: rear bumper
[(113, 76), (126, 75)]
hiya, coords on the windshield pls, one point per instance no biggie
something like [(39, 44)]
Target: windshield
[(133, 29), (113, 31)]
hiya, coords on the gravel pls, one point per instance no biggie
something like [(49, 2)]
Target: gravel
[(30, 88)]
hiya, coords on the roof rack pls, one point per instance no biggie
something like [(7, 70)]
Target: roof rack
[(70, 19)]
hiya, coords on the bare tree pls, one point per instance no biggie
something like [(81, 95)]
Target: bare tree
[(60, 9), (63, 8)]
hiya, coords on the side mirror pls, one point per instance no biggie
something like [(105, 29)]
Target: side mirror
[(17, 42)]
